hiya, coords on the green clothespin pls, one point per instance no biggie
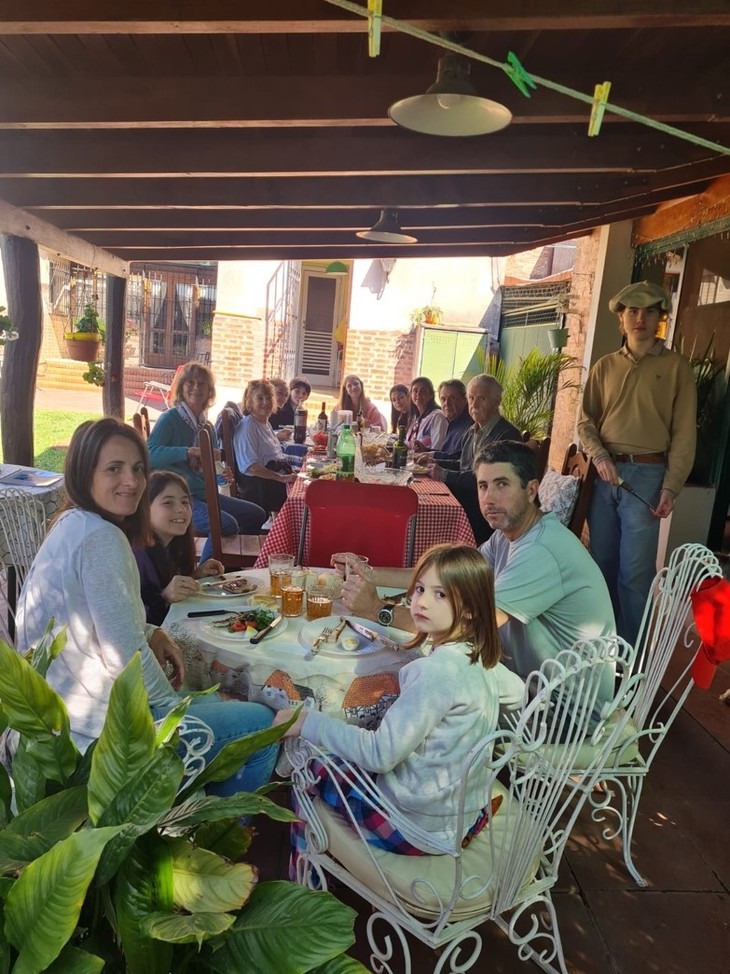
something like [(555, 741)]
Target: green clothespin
[(517, 74), (375, 12), (600, 97)]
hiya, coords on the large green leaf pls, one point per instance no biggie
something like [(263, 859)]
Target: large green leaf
[(47, 649), (36, 711), (211, 809), (34, 831), (278, 916), (228, 838), (174, 928), (231, 757), (6, 796), (139, 806), (341, 965), (203, 882), (43, 907), (127, 740), (144, 886), (71, 960), (30, 782)]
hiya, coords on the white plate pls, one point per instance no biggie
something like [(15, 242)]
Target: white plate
[(310, 631), (209, 592), (242, 638)]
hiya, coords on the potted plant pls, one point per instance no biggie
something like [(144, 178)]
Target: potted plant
[(7, 328), (112, 860), (82, 342), (428, 314)]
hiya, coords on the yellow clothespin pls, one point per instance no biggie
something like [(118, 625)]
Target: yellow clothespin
[(375, 12), (600, 97), (517, 74)]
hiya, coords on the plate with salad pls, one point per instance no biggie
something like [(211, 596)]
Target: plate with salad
[(239, 627)]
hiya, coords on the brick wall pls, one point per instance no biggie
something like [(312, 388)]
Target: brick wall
[(380, 358), (237, 352)]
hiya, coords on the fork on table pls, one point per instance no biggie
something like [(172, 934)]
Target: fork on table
[(321, 638)]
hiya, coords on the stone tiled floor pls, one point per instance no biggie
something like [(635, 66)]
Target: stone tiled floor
[(678, 924)]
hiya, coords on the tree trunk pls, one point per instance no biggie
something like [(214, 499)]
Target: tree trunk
[(113, 391), (20, 363)]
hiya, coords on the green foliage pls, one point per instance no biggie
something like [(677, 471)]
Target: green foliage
[(90, 323), (529, 388), (109, 865), (94, 374), (7, 328), (52, 430)]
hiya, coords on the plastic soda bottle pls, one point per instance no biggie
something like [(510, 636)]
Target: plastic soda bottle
[(346, 454)]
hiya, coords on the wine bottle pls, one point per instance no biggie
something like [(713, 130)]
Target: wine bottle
[(300, 424), (400, 450), (322, 420)]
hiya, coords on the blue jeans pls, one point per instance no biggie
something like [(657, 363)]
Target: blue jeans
[(624, 538), (230, 720), (237, 517)]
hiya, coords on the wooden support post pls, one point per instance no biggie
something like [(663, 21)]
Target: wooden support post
[(113, 391), (20, 361)]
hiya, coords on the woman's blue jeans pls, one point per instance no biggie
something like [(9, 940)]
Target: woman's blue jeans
[(237, 517), (230, 720), (624, 539)]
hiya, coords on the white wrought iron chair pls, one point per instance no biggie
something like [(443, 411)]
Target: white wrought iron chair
[(507, 872), (666, 629), (22, 530)]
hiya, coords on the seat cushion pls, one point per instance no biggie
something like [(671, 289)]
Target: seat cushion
[(625, 751), (435, 872), (559, 493)]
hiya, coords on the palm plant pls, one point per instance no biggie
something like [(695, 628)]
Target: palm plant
[(529, 388)]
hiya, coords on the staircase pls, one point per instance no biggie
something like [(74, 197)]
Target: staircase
[(60, 373)]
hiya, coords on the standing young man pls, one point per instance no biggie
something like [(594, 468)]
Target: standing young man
[(638, 422)]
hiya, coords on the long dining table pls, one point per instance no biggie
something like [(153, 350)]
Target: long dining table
[(440, 518)]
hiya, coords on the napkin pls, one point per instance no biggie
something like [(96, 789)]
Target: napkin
[(711, 610)]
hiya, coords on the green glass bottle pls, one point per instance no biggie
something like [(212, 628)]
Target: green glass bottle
[(400, 450), (346, 454)]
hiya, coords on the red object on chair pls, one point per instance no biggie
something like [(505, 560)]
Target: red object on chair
[(711, 610), (375, 520)]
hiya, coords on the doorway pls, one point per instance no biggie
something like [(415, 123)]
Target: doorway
[(321, 303)]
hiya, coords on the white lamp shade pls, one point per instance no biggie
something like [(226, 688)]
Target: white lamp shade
[(387, 230)]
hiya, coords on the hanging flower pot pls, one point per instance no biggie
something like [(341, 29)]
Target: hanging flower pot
[(82, 346), (558, 338)]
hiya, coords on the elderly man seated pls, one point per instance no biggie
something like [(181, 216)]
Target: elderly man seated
[(483, 395), (454, 406), (549, 591)]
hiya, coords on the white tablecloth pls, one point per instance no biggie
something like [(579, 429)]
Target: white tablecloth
[(280, 671), (51, 496)]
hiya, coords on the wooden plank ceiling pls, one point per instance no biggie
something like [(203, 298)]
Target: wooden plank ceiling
[(262, 131)]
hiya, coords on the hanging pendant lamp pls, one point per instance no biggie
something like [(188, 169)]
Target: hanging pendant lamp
[(451, 106), (336, 269), (387, 230)]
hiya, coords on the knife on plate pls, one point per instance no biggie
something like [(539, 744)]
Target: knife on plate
[(371, 635), (208, 612), (264, 632)]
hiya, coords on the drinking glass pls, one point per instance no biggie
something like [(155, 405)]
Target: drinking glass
[(352, 559), (280, 566), (292, 594), (318, 606)]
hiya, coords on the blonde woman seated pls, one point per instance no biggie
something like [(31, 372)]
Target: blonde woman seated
[(264, 469), (352, 396)]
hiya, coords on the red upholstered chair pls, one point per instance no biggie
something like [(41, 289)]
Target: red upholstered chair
[(375, 520)]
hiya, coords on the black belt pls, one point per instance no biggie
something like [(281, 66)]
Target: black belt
[(639, 457)]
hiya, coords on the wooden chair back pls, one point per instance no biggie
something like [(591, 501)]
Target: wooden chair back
[(141, 422), (235, 551), (541, 449), (228, 426), (579, 464)]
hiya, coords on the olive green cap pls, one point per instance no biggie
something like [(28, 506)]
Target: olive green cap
[(643, 294)]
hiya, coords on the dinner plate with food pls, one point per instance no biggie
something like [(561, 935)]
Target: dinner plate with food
[(232, 585), (239, 627)]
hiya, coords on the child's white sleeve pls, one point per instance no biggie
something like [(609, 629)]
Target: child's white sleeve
[(511, 688)]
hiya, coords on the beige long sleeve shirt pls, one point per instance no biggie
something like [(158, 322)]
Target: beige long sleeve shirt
[(644, 406)]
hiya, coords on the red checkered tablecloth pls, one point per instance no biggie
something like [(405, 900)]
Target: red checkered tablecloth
[(440, 518)]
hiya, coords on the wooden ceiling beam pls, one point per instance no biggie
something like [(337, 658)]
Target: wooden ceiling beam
[(263, 102), (169, 154), (315, 16), (17, 223)]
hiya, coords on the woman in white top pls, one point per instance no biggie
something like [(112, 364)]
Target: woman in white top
[(264, 469), (85, 578), (427, 428)]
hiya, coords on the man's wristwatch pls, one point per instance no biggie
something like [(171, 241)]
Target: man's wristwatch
[(385, 616)]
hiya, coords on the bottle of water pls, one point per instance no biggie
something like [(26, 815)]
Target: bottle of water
[(332, 443), (346, 454)]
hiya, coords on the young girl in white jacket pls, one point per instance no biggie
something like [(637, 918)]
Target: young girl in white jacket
[(449, 699)]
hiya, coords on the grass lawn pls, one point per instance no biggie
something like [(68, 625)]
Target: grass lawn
[(53, 429)]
